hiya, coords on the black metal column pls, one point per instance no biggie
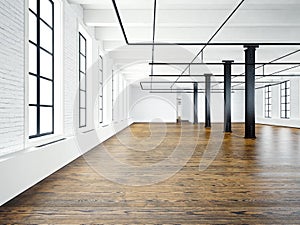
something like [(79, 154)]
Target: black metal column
[(250, 91), (227, 95), (195, 103), (207, 100)]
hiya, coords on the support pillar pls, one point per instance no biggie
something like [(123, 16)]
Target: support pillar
[(250, 91), (227, 95), (207, 100), (195, 103)]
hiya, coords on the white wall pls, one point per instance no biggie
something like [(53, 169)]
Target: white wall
[(217, 107), (11, 76), (294, 121), (149, 107), (20, 167)]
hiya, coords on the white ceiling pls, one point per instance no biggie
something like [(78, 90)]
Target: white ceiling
[(193, 21)]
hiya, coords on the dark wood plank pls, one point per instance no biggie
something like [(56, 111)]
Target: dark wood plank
[(249, 182)]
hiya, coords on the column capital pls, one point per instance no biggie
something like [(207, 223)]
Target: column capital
[(251, 46), (208, 74), (228, 61)]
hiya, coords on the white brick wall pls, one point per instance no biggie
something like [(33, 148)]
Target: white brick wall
[(12, 28), (11, 76), (70, 65)]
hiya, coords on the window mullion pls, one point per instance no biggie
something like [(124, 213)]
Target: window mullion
[(38, 69), (53, 48)]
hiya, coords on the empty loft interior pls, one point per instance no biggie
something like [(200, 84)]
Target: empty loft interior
[(150, 112)]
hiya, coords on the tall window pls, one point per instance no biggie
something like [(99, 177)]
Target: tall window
[(268, 102), (100, 66), (285, 99), (82, 81), (41, 68)]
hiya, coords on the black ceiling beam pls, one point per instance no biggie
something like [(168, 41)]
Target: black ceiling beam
[(277, 59), (220, 63), (212, 37), (182, 92), (270, 85), (191, 82), (221, 75), (153, 37), (194, 43)]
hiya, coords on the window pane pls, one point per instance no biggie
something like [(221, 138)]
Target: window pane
[(46, 64), (82, 118), (100, 116), (32, 120), (46, 119), (82, 81), (32, 59), (82, 45), (100, 102), (32, 5), (288, 114), (46, 37), (32, 88), (82, 64), (100, 90), (46, 11), (288, 84), (82, 99), (32, 23), (46, 92)]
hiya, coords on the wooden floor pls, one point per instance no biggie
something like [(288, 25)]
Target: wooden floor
[(249, 182)]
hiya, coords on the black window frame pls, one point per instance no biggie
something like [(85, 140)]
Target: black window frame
[(100, 96), (285, 101), (84, 73), (268, 101), (38, 75)]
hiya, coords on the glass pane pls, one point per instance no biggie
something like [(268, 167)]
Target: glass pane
[(32, 120), (46, 37), (100, 63), (46, 92), (82, 99), (32, 23), (32, 5), (100, 102), (100, 90), (82, 81), (288, 107), (100, 116), (46, 119), (288, 84), (46, 11), (32, 87), (82, 64), (288, 91), (288, 99), (82, 45), (32, 60), (46, 64), (288, 114), (82, 121)]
